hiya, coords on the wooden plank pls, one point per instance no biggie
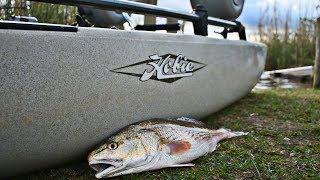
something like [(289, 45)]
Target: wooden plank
[(150, 19), (298, 72), (316, 72)]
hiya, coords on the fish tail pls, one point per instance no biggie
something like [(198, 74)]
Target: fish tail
[(222, 133)]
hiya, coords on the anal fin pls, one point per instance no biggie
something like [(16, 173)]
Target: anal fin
[(183, 165)]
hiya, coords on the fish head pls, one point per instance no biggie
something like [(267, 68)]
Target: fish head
[(119, 153)]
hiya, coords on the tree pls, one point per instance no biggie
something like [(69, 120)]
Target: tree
[(44, 12)]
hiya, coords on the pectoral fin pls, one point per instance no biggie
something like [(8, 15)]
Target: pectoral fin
[(183, 165), (178, 147)]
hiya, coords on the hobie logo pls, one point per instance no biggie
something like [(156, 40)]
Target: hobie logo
[(165, 68), (180, 67)]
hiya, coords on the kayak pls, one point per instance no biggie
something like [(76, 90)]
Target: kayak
[(63, 92), (66, 88)]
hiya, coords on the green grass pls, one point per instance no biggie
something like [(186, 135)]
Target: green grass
[(283, 143)]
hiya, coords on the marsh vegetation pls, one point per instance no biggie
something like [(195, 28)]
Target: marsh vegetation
[(290, 43)]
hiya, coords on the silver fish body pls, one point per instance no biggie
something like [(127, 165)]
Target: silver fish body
[(155, 144)]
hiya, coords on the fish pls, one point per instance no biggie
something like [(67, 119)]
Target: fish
[(155, 144)]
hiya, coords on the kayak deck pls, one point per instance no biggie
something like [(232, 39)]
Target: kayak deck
[(63, 92)]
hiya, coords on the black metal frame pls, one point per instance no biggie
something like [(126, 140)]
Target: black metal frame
[(199, 19), (155, 27), (36, 26)]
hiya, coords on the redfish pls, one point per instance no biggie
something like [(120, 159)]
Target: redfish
[(155, 144)]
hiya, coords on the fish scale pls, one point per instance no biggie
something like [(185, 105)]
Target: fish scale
[(155, 144), (180, 133)]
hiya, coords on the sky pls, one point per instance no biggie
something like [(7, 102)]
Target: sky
[(253, 9)]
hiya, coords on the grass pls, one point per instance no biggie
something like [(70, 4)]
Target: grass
[(283, 143)]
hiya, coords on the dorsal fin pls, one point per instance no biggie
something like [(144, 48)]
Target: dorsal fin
[(185, 119)]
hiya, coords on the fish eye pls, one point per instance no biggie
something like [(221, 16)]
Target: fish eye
[(112, 146)]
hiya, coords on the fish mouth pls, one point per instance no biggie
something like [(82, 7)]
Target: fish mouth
[(100, 166), (105, 168)]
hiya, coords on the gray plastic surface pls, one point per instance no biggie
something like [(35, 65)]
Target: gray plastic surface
[(102, 18), (224, 9)]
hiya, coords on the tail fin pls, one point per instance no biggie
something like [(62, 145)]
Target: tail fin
[(222, 133)]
